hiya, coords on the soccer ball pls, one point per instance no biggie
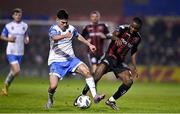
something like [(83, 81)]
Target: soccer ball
[(83, 101)]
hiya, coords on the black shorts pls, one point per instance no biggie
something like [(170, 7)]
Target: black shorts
[(117, 66)]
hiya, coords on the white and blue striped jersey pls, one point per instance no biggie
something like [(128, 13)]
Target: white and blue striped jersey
[(19, 31), (61, 50)]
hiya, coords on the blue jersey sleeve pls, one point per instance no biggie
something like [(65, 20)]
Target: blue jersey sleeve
[(52, 32), (75, 33), (26, 33), (5, 32)]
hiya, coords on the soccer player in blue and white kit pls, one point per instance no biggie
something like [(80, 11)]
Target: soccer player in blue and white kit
[(15, 33), (62, 59)]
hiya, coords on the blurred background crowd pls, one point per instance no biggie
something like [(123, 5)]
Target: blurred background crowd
[(160, 33)]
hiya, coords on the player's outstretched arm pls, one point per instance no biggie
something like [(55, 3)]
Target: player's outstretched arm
[(83, 40), (133, 67)]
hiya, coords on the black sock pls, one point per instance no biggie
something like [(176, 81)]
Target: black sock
[(85, 90), (9, 79), (52, 91), (50, 94), (121, 91)]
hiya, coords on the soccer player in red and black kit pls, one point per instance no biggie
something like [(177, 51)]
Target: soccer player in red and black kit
[(125, 38), (96, 33)]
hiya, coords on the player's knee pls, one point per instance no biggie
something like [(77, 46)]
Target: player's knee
[(16, 72), (128, 82), (86, 73), (97, 77), (53, 86), (84, 70)]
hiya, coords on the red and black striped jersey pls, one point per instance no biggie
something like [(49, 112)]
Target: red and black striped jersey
[(95, 33), (127, 42)]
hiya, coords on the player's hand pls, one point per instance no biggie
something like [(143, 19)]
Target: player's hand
[(68, 35), (11, 39), (26, 40), (92, 48), (134, 71)]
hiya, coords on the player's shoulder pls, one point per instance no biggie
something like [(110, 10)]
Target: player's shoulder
[(71, 27), (122, 28), (138, 35), (24, 23), (12, 23), (9, 24), (54, 27), (125, 26), (103, 24), (87, 26)]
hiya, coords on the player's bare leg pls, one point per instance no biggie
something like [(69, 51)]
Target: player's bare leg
[(100, 71), (84, 71), (127, 80), (93, 68), (15, 70), (52, 87), (97, 76)]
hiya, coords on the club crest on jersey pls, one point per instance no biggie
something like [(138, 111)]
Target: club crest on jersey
[(90, 28), (59, 33), (12, 28), (23, 28), (123, 41), (100, 28)]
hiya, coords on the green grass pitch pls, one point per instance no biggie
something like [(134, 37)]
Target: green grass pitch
[(29, 95)]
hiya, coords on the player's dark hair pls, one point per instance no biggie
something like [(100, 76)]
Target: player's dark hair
[(138, 21), (62, 14), (17, 10), (96, 12)]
